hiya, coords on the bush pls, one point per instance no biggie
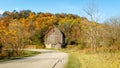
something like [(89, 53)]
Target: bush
[(70, 46), (81, 46), (39, 46)]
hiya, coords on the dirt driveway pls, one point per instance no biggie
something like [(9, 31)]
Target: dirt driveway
[(47, 59)]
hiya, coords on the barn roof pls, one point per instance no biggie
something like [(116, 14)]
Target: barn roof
[(51, 30)]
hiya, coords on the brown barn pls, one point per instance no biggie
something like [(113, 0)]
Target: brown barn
[(54, 38)]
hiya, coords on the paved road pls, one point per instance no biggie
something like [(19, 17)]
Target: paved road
[(47, 59)]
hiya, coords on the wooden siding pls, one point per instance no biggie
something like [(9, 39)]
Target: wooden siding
[(54, 38)]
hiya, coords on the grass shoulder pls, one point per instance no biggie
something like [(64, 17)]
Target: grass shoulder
[(73, 61), (26, 53)]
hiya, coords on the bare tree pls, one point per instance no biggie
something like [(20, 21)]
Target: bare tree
[(93, 12), (92, 32), (113, 29)]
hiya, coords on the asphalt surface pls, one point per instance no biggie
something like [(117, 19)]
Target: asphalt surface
[(47, 59)]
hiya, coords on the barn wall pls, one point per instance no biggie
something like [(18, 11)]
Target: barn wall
[(54, 39), (48, 45)]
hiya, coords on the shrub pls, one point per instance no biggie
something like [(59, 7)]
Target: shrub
[(81, 46)]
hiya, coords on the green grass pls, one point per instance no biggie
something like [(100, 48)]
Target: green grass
[(73, 61), (25, 54), (30, 53)]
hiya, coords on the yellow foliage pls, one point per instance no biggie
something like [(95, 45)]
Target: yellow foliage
[(31, 15)]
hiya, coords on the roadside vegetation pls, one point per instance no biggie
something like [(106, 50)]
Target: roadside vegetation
[(73, 61), (87, 59), (26, 53), (99, 60)]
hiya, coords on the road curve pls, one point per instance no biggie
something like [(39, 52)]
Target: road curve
[(47, 59)]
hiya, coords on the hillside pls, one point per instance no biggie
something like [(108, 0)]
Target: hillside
[(69, 24), (78, 31)]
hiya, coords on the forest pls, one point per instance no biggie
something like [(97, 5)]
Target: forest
[(25, 27)]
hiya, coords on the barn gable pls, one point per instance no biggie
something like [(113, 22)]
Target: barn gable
[(54, 38)]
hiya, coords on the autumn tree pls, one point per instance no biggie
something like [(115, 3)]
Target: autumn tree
[(35, 25), (16, 39), (112, 27), (92, 28)]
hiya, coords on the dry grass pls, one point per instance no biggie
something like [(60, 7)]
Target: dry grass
[(99, 60), (96, 60)]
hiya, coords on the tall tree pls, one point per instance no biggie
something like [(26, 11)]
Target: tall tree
[(92, 31)]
